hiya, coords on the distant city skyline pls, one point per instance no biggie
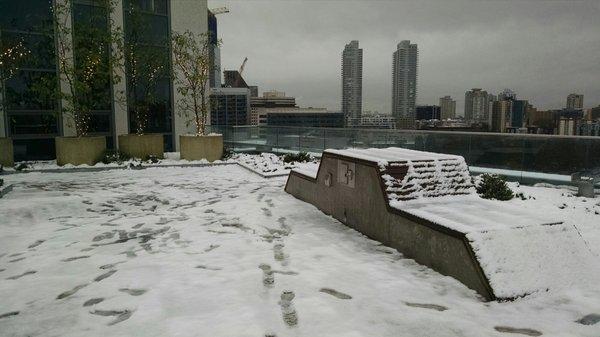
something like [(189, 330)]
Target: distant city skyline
[(462, 45)]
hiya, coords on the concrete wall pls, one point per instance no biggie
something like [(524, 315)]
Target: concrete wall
[(192, 16), (365, 209)]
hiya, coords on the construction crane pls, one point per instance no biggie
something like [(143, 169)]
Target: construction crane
[(219, 10), (243, 65), (239, 77)]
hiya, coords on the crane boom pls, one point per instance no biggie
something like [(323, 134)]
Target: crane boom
[(243, 65), (219, 10)]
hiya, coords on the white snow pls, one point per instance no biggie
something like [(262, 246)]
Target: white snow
[(208, 229), (385, 155), (270, 165)]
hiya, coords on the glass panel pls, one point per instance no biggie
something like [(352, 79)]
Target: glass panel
[(32, 124), (100, 122), (20, 93), (41, 48), (30, 15)]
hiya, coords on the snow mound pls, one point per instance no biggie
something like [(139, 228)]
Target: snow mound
[(527, 260)]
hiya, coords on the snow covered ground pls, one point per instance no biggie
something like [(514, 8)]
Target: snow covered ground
[(208, 251)]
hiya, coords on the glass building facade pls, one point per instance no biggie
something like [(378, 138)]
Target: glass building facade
[(33, 119), (30, 119)]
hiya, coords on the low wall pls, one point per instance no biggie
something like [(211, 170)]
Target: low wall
[(364, 208)]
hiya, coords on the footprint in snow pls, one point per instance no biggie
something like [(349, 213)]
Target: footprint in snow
[(121, 315), (267, 211), (92, 301), (69, 259), (211, 247), (522, 331), (9, 314), (290, 317), (201, 266), (29, 272), (35, 244), (268, 276), (105, 275), (133, 292), (335, 293), (71, 292), (427, 306), (590, 319)]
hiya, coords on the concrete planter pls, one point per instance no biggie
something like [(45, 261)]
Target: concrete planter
[(142, 146), (79, 150), (194, 147), (6, 152)]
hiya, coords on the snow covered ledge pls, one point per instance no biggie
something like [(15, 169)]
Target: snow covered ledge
[(424, 205)]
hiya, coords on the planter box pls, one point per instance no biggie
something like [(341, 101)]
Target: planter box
[(6, 152), (80, 150), (143, 146), (194, 147)]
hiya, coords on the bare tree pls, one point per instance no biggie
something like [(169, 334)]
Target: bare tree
[(89, 57), (191, 74)]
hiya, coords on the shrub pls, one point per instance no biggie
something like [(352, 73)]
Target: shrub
[(1, 182), (227, 153), (296, 157), (493, 186), (21, 167), (151, 159), (113, 156)]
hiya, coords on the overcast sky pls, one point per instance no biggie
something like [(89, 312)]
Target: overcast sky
[(543, 50)]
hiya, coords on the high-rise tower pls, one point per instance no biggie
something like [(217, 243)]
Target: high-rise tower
[(352, 57), (404, 84)]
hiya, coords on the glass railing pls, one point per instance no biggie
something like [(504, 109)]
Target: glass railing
[(518, 154)]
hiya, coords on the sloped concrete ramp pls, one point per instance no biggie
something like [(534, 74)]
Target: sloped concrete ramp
[(425, 206)]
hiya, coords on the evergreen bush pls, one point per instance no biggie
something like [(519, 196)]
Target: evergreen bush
[(296, 157), (493, 186)]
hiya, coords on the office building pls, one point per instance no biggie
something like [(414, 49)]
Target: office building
[(375, 121), (233, 79), (214, 52), (447, 107), (477, 105), (594, 113), (567, 126), (33, 121), (518, 113), (589, 128), (428, 112), (305, 117), (501, 113), (270, 100), (230, 106), (352, 67), (253, 90), (404, 84), (574, 101)]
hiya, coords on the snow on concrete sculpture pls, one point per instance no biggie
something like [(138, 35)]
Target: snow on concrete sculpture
[(424, 205)]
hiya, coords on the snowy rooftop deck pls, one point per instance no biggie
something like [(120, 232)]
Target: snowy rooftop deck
[(176, 252)]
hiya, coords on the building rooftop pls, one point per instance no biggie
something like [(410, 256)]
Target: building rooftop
[(163, 251)]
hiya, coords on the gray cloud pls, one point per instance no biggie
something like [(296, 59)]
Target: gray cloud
[(543, 50)]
